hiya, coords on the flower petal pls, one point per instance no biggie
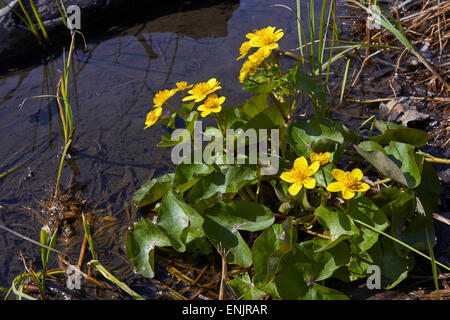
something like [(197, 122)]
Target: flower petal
[(309, 183), (295, 188), (348, 194), (335, 187), (339, 175), (357, 174), (216, 109), (362, 187), (313, 168), (287, 176), (301, 164), (205, 113)]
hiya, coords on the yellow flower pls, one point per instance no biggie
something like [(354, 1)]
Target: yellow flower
[(182, 85), (244, 49), (259, 55), (201, 90), (162, 96), (265, 38), (322, 157), (212, 104), (248, 68), (152, 117), (348, 183), (300, 175)]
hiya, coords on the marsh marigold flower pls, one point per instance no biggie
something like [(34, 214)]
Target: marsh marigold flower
[(300, 175), (162, 96), (348, 183), (152, 117), (248, 68), (244, 49), (259, 56), (182, 85), (203, 89), (322, 157), (265, 38), (212, 104)]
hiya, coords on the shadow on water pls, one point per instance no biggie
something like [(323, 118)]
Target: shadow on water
[(113, 85)]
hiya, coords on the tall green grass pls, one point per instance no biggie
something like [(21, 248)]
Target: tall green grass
[(25, 17)]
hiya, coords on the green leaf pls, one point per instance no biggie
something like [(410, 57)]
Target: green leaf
[(237, 249), (305, 135), (153, 190), (174, 217), (409, 163), (258, 84), (383, 126), (363, 209), (254, 106), (336, 223), (142, 239), (428, 191), (223, 222), (394, 268), (397, 161), (185, 108), (186, 175), (302, 267), (414, 137), (415, 235), (166, 141), (190, 121), (319, 175), (241, 215), (231, 181), (303, 81), (270, 118), (269, 248), (244, 288)]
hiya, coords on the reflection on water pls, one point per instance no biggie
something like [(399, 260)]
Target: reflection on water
[(113, 86)]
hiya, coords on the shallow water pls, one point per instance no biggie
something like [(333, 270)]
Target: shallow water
[(113, 86)]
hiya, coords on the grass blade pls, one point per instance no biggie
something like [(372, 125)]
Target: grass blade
[(38, 19), (114, 280)]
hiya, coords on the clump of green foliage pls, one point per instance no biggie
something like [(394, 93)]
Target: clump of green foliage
[(358, 201)]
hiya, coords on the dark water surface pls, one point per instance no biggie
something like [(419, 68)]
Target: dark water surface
[(113, 87)]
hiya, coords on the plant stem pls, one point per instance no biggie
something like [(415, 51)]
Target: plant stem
[(61, 165), (280, 107)]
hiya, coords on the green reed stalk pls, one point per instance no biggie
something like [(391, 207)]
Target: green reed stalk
[(38, 19), (61, 13), (433, 266), (29, 22)]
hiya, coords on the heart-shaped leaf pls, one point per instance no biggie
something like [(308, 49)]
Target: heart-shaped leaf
[(336, 223), (174, 217), (303, 136), (302, 267), (142, 239), (153, 190)]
